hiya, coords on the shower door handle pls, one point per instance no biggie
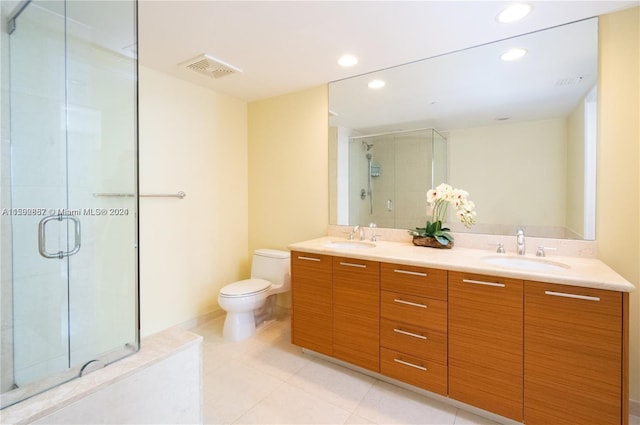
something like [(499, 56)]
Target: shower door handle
[(77, 236)]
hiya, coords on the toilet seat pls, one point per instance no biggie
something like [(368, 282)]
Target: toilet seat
[(245, 287)]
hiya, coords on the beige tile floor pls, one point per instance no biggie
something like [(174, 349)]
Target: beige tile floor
[(266, 380)]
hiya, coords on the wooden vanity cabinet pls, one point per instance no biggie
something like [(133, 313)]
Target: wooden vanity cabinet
[(486, 342), (537, 353), (413, 330), (574, 363), (312, 301), (356, 312)]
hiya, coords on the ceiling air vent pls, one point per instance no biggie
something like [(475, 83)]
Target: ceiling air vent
[(569, 81), (210, 66)]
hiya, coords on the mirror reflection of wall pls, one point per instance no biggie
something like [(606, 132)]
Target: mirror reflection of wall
[(515, 160), (520, 135)]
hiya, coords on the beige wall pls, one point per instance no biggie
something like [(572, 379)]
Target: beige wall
[(195, 140), (288, 169), (489, 152), (618, 202)]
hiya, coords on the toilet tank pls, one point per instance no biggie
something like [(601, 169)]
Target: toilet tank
[(272, 265)]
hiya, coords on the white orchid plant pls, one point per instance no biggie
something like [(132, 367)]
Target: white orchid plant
[(439, 200)]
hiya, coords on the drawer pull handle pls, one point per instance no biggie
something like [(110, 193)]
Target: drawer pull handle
[(398, 300), (564, 294), (410, 272), (362, 266), (409, 364), (403, 332), (300, 257), (479, 282)]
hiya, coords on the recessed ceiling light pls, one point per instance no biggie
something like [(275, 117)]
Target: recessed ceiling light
[(347, 60), (376, 84), (513, 54), (513, 13)]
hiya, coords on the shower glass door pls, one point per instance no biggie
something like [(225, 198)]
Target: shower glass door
[(70, 205), (38, 177)]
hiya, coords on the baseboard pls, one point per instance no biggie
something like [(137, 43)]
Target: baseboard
[(634, 407), (279, 311), (197, 321)]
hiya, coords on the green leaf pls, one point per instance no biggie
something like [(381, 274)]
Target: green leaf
[(443, 240)]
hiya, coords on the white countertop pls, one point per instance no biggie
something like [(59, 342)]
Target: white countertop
[(584, 272)]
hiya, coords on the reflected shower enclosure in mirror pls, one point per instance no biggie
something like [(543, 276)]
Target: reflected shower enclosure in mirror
[(386, 174), (519, 136)]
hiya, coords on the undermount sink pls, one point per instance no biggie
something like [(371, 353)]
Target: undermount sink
[(533, 264), (350, 245)]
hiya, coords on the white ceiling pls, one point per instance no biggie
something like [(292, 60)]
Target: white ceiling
[(474, 87), (287, 46)]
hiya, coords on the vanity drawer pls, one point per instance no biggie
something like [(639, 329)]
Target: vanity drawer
[(413, 340), (412, 310), (430, 375), (414, 280), (305, 262)]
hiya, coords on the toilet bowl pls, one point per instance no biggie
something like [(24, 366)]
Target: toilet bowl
[(249, 301)]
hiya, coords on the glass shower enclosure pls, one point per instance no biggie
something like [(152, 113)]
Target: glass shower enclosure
[(69, 204)]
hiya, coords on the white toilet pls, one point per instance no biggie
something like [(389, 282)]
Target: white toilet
[(249, 302)]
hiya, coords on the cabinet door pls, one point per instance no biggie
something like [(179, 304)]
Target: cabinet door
[(312, 304), (356, 312), (486, 342), (573, 355)]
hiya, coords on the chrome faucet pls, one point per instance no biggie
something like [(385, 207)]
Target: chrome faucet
[(520, 241), (359, 229)]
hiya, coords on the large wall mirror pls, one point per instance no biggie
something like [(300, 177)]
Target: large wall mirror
[(519, 135)]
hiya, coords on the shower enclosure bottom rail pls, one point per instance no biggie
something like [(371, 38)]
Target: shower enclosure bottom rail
[(23, 392)]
